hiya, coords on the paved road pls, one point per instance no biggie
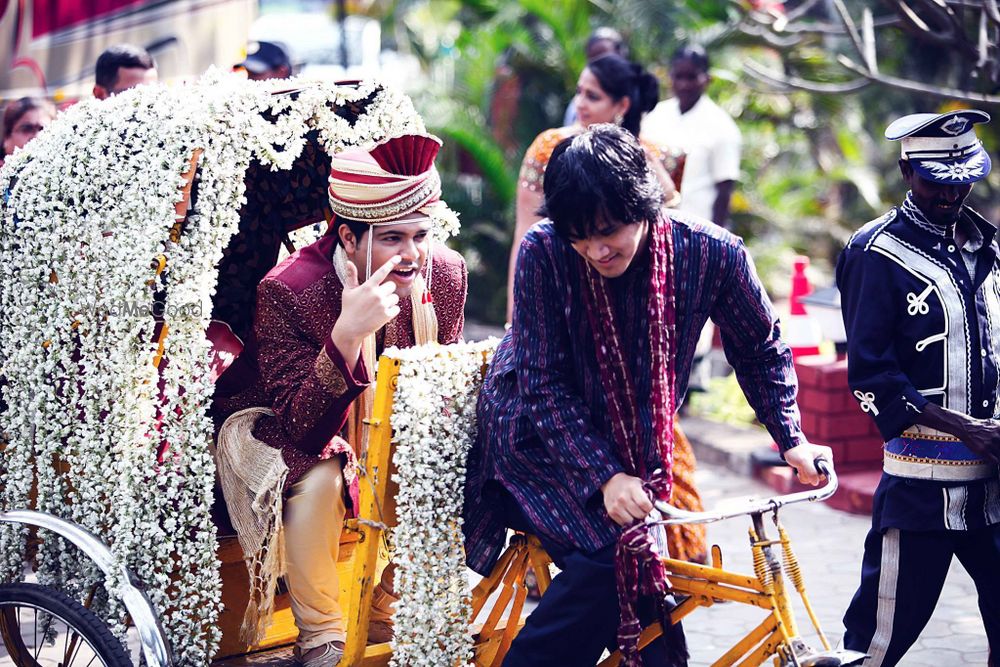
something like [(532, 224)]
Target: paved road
[(829, 546)]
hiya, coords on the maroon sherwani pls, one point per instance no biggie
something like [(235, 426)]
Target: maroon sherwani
[(295, 370)]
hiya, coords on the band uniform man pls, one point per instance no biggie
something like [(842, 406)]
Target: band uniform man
[(920, 288)]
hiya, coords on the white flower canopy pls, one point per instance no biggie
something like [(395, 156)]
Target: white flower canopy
[(123, 447)]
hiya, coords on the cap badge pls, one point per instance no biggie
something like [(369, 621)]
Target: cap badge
[(955, 126), (958, 171)]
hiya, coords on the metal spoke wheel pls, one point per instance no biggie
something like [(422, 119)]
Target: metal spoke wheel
[(43, 627)]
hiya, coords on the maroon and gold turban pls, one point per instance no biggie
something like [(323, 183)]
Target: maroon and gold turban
[(392, 180)]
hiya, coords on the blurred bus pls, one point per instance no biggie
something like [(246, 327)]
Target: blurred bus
[(49, 47)]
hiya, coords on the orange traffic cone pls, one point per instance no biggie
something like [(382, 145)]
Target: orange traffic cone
[(801, 332)]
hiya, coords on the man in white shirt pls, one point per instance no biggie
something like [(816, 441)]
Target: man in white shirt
[(696, 124)]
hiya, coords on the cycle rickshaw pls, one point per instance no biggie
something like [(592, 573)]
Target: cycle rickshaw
[(183, 198)]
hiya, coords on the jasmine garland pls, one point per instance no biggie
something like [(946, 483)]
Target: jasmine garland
[(113, 443), (433, 420)]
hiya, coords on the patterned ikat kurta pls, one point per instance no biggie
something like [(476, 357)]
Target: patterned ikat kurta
[(543, 425)]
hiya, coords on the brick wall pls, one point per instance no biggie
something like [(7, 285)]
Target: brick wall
[(831, 416)]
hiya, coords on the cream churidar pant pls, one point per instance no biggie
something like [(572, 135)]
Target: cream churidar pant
[(314, 518)]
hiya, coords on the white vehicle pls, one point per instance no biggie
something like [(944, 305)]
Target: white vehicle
[(313, 40)]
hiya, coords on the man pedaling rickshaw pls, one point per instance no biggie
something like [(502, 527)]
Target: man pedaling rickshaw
[(375, 280), (575, 419)]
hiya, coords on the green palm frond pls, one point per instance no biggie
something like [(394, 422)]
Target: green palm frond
[(466, 130), (570, 23)]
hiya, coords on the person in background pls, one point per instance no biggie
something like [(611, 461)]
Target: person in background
[(267, 60), (601, 42), (706, 133), (121, 67), (23, 119), (920, 288)]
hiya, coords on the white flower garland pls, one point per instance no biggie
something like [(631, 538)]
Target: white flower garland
[(84, 209), (433, 421)]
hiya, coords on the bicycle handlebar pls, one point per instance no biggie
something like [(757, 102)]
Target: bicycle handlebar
[(672, 515)]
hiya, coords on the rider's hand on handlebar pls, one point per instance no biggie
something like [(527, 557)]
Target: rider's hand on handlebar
[(365, 307), (802, 457), (625, 499)]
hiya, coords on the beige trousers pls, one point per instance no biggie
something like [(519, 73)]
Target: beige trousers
[(314, 518)]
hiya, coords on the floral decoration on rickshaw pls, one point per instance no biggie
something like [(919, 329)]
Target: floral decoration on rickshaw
[(124, 229)]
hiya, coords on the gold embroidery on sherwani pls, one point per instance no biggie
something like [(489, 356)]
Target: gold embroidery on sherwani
[(329, 375)]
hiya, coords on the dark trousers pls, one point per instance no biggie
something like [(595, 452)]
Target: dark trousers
[(577, 617), (902, 575)]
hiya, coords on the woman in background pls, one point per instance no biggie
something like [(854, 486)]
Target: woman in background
[(22, 120), (610, 89)]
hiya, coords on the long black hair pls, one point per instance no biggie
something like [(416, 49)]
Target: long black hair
[(598, 179), (621, 78)]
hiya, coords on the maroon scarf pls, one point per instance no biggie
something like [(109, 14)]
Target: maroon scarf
[(639, 570)]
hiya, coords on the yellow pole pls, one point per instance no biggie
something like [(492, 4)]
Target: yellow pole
[(374, 473)]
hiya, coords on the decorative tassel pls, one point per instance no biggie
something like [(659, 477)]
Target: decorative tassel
[(425, 323), (428, 297)]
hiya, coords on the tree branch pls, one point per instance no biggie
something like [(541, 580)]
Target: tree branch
[(984, 41), (933, 20), (838, 29), (802, 10), (992, 11), (852, 29), (790, 23), (785, 83), (914, 87), (936, 21), (763, 32), (868, 33)]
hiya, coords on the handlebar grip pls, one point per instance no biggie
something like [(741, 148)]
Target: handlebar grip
[(822, 465)]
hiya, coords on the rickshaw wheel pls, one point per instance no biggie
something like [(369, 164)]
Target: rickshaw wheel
[(76, 636)]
